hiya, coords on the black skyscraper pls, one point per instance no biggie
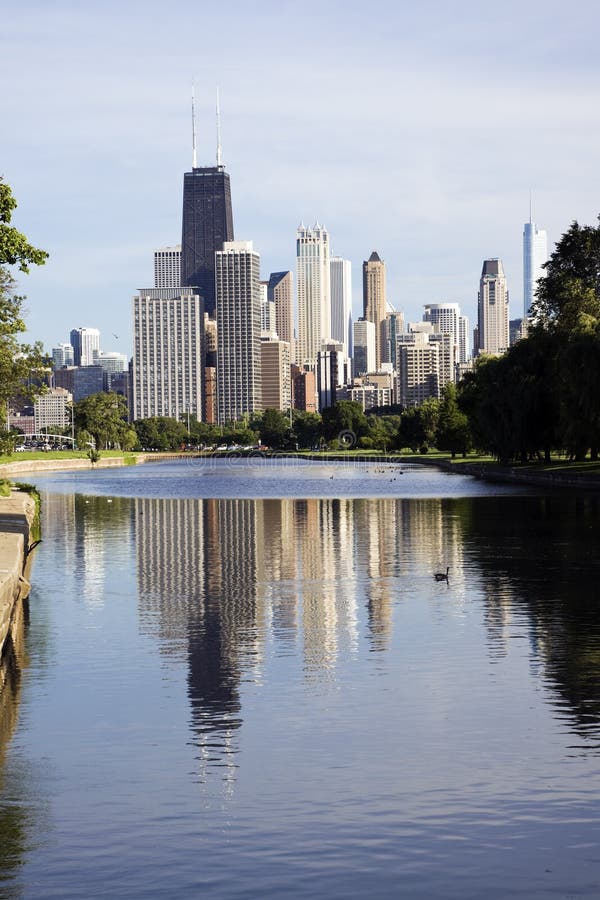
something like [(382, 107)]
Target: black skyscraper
[(207, 224)]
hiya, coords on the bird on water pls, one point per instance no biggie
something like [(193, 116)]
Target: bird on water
[(441, 576)]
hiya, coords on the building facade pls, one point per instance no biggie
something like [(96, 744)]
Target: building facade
[(52, 409), (280, 291), (535, 254), (275, 374), (86, 345), (63, 355), (314, 293), (392, 327), (167, 267), (238, 308), (364, 347), (168, 353), (375, 300), (207, 223), (492, 309), (418, 369), (340, 276)]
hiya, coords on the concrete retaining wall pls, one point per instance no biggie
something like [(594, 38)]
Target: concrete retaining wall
[(23, 466), (16, 516)]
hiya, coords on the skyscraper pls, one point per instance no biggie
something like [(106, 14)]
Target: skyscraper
[(280, 291), (374, 299), (535, 254), (341, 302), (314, 293), (86, 344), (63, 355), (364, 347), (492, 309), (168, 353), (238, 302), (207, 222), (167, 267)]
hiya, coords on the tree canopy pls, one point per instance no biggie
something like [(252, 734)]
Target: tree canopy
[(22, 366)]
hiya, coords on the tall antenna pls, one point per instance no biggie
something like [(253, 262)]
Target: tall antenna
[(530, 204), (194, 165), (219, 160)]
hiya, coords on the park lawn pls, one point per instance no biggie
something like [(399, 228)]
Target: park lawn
[(57, 454)]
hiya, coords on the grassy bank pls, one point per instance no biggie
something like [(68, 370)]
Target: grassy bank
[(60, 454)]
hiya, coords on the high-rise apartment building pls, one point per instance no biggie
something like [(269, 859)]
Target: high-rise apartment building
[(535, 254), (464, 343), (446, 319), (168, 353), (52, 409), (63, 355), (392, 327), (275, 374), (374, 300), (86, 345), (364, 347), (207, 224), (268, 322), (238, 302), (167, 267), (340, 274), (418, 368), (314, 293), (492, 309), (280, 291), (331, 373)]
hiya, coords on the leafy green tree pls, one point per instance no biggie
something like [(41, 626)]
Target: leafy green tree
[(346, 417), (274, 429), (22, 366), (411, 433), (453, 432), (104, 416), (569, 293), (307, 428), (160, 433)]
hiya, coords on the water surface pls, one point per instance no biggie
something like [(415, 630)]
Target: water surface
[(235, 698)]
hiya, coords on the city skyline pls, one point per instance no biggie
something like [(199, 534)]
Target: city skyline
[(432, 188)]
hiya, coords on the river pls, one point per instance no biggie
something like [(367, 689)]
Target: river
[(242, 680)]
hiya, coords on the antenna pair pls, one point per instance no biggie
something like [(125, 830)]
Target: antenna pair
[(218, 111)]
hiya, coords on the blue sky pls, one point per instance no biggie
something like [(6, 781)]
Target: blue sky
[(416, 130)]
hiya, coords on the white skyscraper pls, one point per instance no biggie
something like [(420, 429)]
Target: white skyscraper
[(464, 342), (167, 267), (492, 309), (63, 355), (314, 293), (535, 254), (238, 308), (86, 345), (341, 302), (168, 353)]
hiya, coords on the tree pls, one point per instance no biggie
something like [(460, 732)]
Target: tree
[(453, 432), (22, 366), (160, 433), (345, 420), (570, 288), (307, 428), (274, 429), (104, 416)]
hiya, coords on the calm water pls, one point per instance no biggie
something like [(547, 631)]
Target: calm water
[(244, 682)]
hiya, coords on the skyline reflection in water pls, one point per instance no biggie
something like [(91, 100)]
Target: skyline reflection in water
[(283, 681)]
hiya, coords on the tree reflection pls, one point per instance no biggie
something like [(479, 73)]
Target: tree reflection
[(542, 552)]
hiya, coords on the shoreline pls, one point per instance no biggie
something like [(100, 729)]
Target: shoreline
[(17, 514)]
